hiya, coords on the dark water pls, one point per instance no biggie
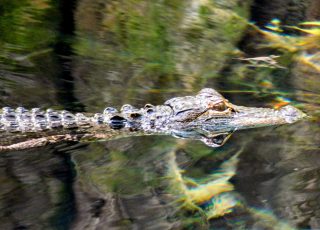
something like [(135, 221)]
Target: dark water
[(84, 55)]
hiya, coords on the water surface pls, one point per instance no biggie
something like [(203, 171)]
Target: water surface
[(86, 55)]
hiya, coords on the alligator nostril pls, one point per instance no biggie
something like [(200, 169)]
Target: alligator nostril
[(117, 122)]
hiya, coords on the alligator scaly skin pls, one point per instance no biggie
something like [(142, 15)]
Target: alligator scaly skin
[(207, 116), (19, 125)]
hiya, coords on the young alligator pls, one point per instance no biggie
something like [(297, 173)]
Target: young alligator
[(208, 117)]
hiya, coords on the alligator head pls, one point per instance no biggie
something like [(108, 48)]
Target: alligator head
[(210, 117)]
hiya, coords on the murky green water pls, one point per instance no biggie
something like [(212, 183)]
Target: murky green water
[(84, 55)]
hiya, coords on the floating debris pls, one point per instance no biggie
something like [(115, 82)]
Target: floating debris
[(266, 61)]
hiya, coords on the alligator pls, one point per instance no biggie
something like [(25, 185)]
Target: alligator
[(207, 116)]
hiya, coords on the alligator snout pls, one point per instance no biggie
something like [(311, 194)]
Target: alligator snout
[(291, 114)]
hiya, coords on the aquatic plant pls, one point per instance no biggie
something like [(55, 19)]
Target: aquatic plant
[(215, 198), (279, 55), (211, 199), (294, 48), (275, 37), (275, 40), (222, 204), (311, 37)]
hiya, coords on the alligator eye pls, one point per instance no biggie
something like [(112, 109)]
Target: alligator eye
[(220, 107)]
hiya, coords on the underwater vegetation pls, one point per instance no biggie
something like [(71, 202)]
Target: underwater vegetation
[(272, 56), (214, 196), (194, 195), (209, 198), (275, 36), (303, 45)]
